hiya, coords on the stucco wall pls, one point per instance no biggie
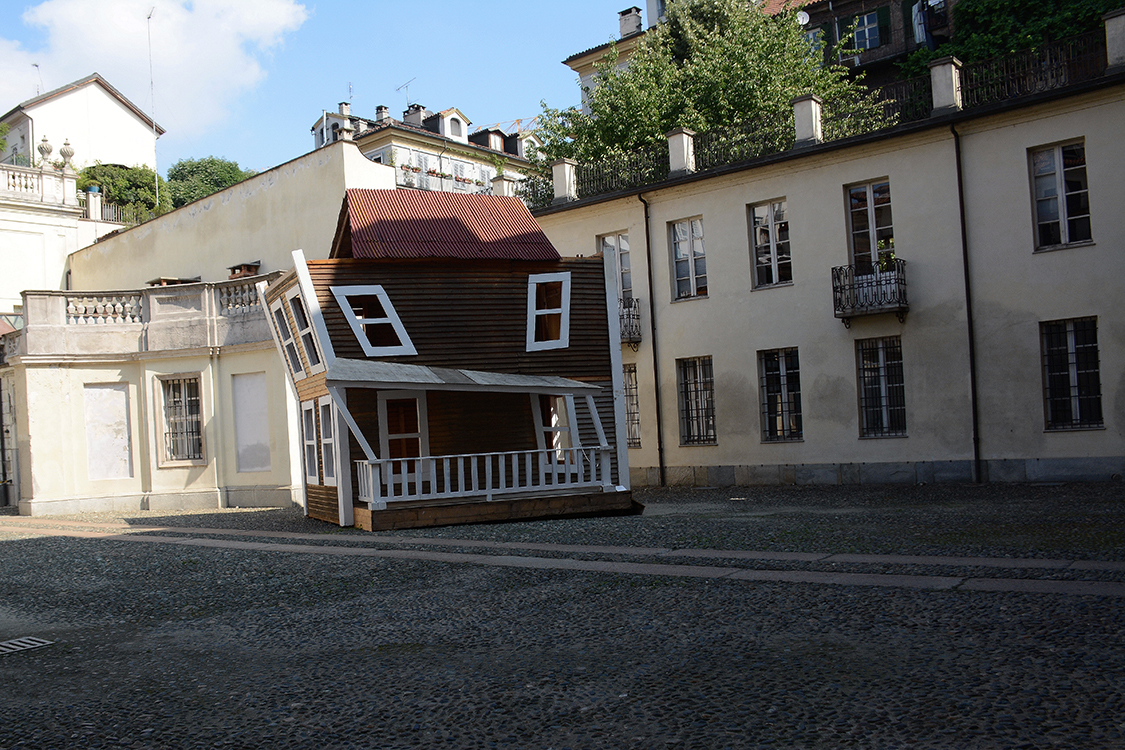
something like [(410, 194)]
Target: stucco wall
[(34, 243)]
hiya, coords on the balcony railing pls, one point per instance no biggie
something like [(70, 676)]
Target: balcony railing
[(867, 289), (489, 476), (630, 311), (640, 167)]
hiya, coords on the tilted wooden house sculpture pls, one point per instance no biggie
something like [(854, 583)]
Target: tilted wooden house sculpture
[(451, 367)]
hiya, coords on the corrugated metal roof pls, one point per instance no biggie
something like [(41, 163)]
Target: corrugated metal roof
[(416, 224)]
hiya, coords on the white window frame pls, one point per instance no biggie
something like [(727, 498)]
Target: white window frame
[(695, 387), (423, 433), (864, 22), (873, 253), (563, 341), (614, 242), (563, 434), (285, 337), (329, 441), (1063, 214), (687, 246), (405, 347), (880, 413), (771, 241), (309, 440), (306, 336), (164, 460)]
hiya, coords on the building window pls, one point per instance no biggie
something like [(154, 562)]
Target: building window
[(328, 439), (548, 311), (1062, 198), (697, 401), (882, 390), (871, 29), (869, 224), (618, 245), (769, 230), (779, 383), (632, 407), (183, 419), (455, 127), (308, 436), (556, 417), (689, 258), (304, 332), (404, 434), (285, 336), (1071, 380), (373, 320)]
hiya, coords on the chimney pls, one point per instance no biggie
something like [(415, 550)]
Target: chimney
[(415, 114), (346, 109), (382, 113), (630, 19)]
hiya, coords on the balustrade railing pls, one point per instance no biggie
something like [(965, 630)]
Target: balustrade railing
[(22, 181), (630, 312), (238, 299), (738, 143), (634, 169), (868, 289), (488, 475), (1052, 66), (103, 309)]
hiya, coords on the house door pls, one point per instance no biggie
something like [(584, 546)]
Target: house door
[(404, 435)]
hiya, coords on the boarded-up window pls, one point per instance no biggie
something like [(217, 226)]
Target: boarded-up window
[(109, 453), (251, 421)]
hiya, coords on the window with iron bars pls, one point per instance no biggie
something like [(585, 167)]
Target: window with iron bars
[(696, 380), (882, 390), (1071, 380), (632, 408), (183, 419), (779, 384)]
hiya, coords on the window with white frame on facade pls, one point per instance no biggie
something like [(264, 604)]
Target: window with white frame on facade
[(632, 407), (548, 311), (688, 258), (183, 418), (618, 245), (404, 433), (556, 417), (867, 31), (769, 235), (285, 336), (696, 385), (309, 439), (1062, 197), (304, 332), (882, 388), (328, 439), (870, 227), (779, 385), (1071, 373), (373, 320)]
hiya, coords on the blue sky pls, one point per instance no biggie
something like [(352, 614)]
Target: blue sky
[(246, 79)]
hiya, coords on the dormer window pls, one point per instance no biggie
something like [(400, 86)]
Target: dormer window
[(455, 128), (548, 311), (373, 320)]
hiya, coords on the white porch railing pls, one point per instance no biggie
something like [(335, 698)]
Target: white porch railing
[(491, 475)]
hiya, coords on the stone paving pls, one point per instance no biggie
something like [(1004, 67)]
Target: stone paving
[(920, 617)]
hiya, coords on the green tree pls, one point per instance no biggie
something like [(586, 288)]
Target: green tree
[(3, 140), (192, 179), (715, 63), (132, 187), (990, 28)]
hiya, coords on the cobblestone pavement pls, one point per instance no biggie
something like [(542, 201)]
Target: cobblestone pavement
[(873, 617)]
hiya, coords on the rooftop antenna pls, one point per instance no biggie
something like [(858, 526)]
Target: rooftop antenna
[(39, 86), (152, 110), (407, 87), (349, 92)]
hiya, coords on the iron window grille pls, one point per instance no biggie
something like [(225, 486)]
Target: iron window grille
[(779, 385), (689, 258), (697, 401), (882, 389), (1071, 378), (769, 229), (1062, 196), (632, 407), (183, 422)]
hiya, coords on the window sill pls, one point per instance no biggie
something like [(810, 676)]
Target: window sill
[(688, 299), (699, 445), (1076, 428), (1064, 246), (182, 464), (763, 287), (783, 441), (882, 437)]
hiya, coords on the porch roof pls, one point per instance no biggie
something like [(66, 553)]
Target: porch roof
[(375, 374)]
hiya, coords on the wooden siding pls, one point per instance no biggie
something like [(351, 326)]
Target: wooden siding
[(324, 504), (479, 422), (312, 387)]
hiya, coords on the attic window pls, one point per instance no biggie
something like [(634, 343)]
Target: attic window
[(374, 321), (455, 127), (548, 311)]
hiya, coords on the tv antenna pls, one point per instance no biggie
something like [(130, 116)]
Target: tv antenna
[(407, 87), (39, 86), (152, 110)]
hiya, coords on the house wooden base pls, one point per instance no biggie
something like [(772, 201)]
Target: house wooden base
[(420, 514)]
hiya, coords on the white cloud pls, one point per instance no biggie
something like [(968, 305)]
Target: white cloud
[(205, 53)]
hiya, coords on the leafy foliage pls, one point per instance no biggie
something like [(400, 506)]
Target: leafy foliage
[(3, 132), (127, 186), (715, 63), (192, 179), (990, 28)]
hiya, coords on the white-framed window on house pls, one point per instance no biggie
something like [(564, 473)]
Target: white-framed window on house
[(373, 320), (696, 385), (548, 311), (779, 386), (769, 237), (455, 127), (870, 227), (309, 440), (285, 336), (1061, 194), (871, 29), (632, 407), (555, 418), (181, 425), (403, 432), (618, 244), (1072, 391), (882, 388), (328, 439), (689, 260), (303, 325)]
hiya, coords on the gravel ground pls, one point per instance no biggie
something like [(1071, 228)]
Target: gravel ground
[(160, 645)]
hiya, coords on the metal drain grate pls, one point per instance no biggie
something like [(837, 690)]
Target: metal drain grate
[(22, 644)]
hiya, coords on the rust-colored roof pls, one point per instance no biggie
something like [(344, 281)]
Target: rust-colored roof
[(417, 224)]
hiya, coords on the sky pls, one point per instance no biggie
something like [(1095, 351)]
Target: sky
[(246, 79)]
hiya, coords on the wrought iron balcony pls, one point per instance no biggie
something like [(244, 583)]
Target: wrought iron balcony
[(870, 289), (630, 309)]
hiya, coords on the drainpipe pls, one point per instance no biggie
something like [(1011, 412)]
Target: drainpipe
[(977, 477), (655, 353)]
